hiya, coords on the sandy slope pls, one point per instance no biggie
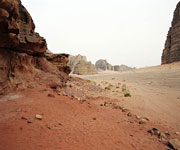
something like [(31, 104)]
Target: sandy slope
[(155, 92), (68, 124)]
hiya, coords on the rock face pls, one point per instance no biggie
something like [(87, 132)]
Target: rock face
[(171, 52), (22, 52), (81, 66), (122, 68), (103, 65)]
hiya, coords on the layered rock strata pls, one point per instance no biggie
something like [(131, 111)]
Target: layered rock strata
[(103, 65), (171, 52), (81, 66), (23, 59)]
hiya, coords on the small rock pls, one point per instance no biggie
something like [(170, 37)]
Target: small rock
[(94, 118), (124, 109), (146, 118), (167, 133), (101, 105), (174, 143), (29, 121), (138, 117), (162, 135), (39, 117), (142, 121), (150, 132), (24, 118), (156, 131), (79, 99), (50, 95), (129, 114), (177, 133), (60, 124), (105, 103)]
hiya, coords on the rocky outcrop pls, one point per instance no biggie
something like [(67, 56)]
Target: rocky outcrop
[(103, 65), (171, 52), (59, 60), (84, 68), (23, 59), (122, 68), (81, 66)]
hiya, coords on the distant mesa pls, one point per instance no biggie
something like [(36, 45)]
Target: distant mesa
[(103, 65), (80, 66), (171, 52)]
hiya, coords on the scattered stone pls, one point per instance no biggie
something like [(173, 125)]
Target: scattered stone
[(138, 117), (142, 121), (24, 118), (156, 131), (50, 95), (60, 124), (94, 118), (167, 133), (146, 118), (174, 143), (150, 132), (101, 105), (29, 121), (105, 103), (129, 114), (39, 117), (162, 135), (124, 109), (79, 99)]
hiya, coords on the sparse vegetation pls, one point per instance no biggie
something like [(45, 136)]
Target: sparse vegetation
[(107, 88), (127, 94)]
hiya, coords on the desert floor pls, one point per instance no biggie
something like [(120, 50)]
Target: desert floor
[(85, 116), (155, 92)]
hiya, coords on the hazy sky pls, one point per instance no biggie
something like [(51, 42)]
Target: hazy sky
[(121, 31)]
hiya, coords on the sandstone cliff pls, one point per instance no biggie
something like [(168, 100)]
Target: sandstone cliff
[(103, 65), (81, 66), (171, 52), (22, 52)]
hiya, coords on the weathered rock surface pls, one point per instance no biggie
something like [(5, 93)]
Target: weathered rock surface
[(22, 60), (59, 60), (171, 52), (81, 66), (104, 65), (122, 68), (17, 29), (174, 143)]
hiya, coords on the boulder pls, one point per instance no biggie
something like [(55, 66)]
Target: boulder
[(171, 52)]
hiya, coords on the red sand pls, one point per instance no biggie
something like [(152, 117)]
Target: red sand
[(68, 124)]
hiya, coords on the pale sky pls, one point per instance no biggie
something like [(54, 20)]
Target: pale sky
[(122, 31)]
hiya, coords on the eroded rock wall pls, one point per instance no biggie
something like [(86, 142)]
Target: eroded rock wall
[(24, 62), (81, 66), (171, 52)]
